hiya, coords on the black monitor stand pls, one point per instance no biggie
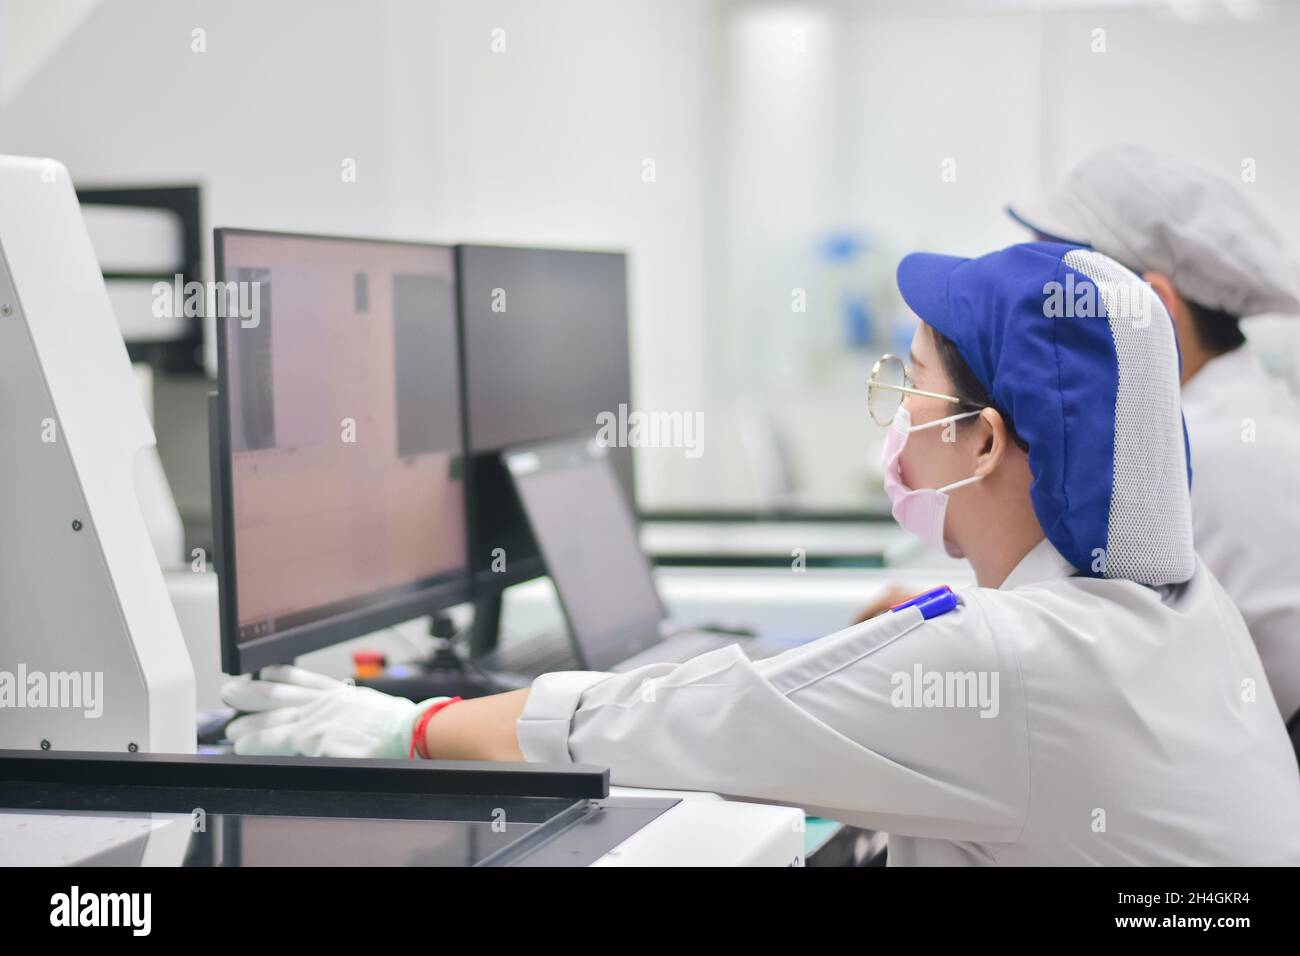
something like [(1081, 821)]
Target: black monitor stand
[(444, 673), (485, 634)]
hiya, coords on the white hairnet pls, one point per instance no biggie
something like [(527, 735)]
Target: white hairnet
[(1156, 212)]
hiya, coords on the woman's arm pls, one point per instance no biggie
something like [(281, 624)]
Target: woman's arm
[(822, 726), (483, 728)]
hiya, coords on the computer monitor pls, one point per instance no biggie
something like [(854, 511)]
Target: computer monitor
[(544, 334), (338, 459)]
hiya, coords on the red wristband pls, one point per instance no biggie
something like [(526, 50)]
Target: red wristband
[(422, 725)]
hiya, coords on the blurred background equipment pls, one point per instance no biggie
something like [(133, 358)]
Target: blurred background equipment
[(148, 238)]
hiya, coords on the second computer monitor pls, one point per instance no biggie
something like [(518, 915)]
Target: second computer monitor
[(338, 453), (545, 344)]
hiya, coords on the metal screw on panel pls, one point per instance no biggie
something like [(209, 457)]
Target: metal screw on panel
[(6, 310), (76, 524), (132, 747), (45, 745)]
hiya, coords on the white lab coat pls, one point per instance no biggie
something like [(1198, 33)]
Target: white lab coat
[(1132, 725), (1244, 428)]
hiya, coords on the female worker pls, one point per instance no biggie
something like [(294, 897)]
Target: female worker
[(1096, 698)]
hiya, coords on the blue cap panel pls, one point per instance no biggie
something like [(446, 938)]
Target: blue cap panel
[(1037, 334)]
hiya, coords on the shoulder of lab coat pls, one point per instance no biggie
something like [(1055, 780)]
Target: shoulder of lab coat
[(839, 726), (1244, 431)]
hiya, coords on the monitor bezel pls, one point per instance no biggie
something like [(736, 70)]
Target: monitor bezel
[(416, 600)]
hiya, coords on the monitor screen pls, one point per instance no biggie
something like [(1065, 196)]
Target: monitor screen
[(604, 580), (339, 440), (546, 342)]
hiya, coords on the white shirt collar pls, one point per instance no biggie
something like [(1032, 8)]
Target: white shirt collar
[(1042, 563), (1223, 371)]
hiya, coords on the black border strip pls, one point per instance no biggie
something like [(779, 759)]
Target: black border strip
[(309, 774)]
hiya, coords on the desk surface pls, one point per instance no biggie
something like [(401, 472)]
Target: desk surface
[(779, 539)]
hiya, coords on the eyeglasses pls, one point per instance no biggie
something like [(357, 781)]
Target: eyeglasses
[(888, 384)]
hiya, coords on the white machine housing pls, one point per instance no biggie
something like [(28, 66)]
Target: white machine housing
[(706, 830), (82, 597)]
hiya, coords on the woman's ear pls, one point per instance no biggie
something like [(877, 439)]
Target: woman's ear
[(994, 438), (1165, 290), (1189, 339)]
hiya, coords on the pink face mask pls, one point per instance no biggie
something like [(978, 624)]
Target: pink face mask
[(919, 510)]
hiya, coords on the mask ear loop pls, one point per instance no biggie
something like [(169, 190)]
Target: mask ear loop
[(944, 421), (960, 484)]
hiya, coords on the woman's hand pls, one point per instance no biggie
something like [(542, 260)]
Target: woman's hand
[(295, 711), (298, 712)]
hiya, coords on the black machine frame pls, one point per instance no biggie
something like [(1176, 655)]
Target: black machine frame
[(576, 820)]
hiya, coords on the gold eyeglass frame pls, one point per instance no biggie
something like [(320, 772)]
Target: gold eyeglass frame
[(906, 387)]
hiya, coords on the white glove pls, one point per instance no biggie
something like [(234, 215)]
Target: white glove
[(299, 712)]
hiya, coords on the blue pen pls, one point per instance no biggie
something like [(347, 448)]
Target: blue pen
[(931, 603)]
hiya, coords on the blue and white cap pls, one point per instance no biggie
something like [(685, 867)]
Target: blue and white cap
[(1081, 354)]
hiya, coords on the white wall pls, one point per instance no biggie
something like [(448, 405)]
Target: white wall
[(542, 143), (840, 118), (760, 151), (30, 33), (849, 134)]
